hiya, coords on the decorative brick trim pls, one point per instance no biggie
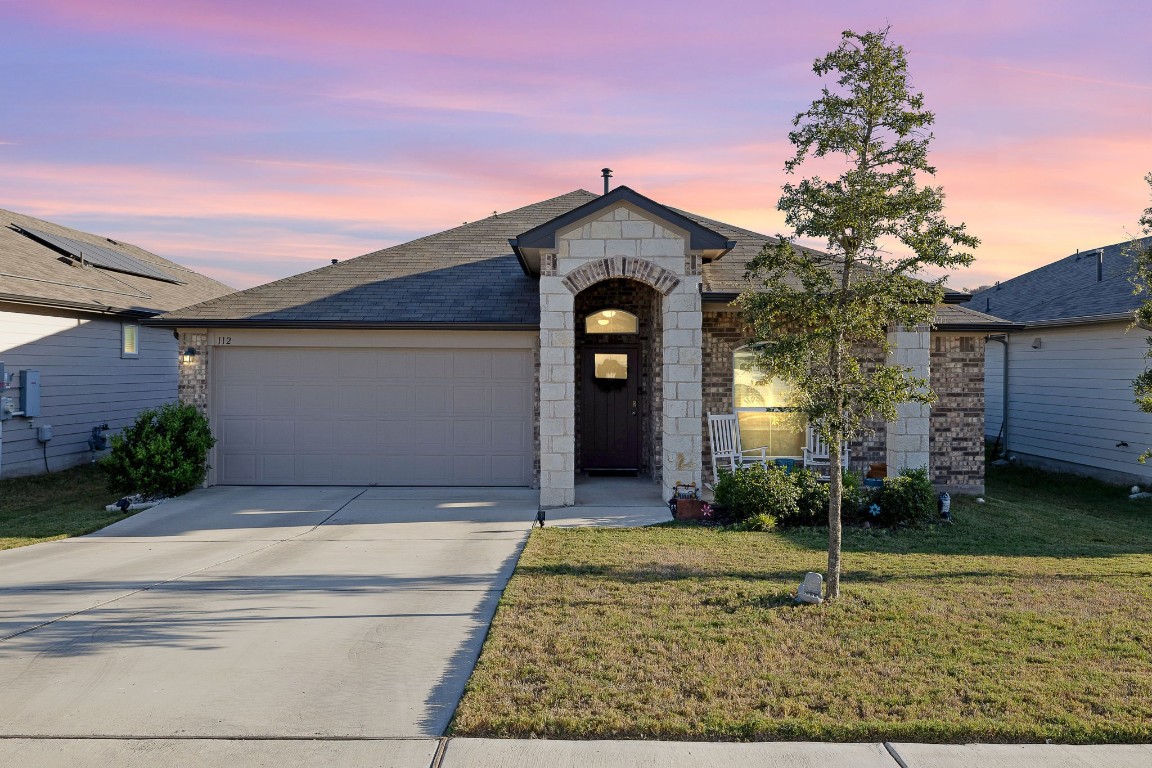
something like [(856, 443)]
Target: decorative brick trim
[(693, 264), (548, 265), (642, 270)]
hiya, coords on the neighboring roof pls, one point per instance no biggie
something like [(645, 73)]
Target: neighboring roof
[(958, 318), (466, 277), (41, 264), (1068, 289)]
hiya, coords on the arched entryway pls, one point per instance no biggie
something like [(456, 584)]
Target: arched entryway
[(618, 378)]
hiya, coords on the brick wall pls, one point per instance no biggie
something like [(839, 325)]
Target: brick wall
[(192, 385), (957, 433), (724, 332)]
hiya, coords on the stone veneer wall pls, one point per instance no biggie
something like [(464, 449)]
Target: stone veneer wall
[(192, 384), (908, 436), (724, 332), (957, 439), (621, 242), (644, 302)]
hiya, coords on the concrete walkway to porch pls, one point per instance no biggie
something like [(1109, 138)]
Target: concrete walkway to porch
[(615, 502)]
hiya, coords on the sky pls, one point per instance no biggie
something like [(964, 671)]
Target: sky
[(255, 140)]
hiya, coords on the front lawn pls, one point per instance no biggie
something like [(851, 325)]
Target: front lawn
[(54, 506), (1028, 619)]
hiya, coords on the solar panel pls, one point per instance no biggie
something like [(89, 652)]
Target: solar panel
[(99, 256)]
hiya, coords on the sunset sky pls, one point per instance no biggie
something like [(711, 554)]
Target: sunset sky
[(259, 139)]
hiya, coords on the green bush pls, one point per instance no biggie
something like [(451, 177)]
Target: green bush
[(163, 453), (761, 522), (813, 501), (907, 500), (756, 490)]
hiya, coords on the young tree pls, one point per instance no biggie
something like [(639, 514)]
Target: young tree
[(1140, 252), (813, 312)]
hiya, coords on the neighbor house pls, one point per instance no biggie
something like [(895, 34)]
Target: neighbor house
[(583, 333), (1059, 389), (74, 352)]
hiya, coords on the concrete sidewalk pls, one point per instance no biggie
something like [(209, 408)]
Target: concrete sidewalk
[(499, 753)]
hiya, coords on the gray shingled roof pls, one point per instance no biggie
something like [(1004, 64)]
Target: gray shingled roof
[(34, 273), (1065, 289), (466, 276)]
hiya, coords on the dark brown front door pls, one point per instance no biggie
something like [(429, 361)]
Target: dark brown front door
[(610, 409)]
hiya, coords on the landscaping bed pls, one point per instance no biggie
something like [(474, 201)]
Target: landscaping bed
[(1029, 618), (54, 506)]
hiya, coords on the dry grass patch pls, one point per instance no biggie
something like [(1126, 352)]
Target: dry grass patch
[(1029, 619)]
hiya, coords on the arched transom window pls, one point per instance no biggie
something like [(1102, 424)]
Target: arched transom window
[(764, 407), (611, 321)]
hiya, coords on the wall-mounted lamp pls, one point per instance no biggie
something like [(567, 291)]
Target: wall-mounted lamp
[(1036, 343), (188, 355)]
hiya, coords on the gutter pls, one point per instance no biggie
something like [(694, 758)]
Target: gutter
[(320, 325), (1112, 317), (98, 309)]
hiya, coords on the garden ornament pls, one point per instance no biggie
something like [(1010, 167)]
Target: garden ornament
[(811, 589)]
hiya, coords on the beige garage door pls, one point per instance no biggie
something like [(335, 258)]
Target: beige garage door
[(291, 416)]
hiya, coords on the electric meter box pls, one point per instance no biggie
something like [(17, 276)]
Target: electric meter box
[(30, 392)]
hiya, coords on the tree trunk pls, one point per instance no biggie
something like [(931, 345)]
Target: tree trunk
[(835, 493)]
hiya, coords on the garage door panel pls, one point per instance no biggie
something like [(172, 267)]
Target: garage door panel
[(373, 416), (470, 436), (273, 400), (511, 365), (277, 434), (277, 469), (511, 400), (472, 365), (396, 398), (509, 436), (239, 399), (239, 469), (433, 400), (433, 365), (353, 400), (471, 399), (239, 433)]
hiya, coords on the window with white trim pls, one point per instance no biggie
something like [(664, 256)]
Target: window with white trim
[(763, 403), (129, 340)]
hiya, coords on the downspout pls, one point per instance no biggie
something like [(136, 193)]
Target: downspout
[(1003, 339)]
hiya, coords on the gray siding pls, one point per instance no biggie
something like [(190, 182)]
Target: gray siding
[(84, 382), (993, 388), (1071, 402)]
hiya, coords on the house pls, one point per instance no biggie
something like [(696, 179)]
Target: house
[(1059, 388), (75, 354), (578, 334)]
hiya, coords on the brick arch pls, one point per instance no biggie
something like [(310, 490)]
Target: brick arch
[(641, 270)]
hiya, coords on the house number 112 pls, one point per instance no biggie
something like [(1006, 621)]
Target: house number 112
[(223, 339)]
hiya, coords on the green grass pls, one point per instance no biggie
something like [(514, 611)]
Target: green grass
[(1028, 619), (54, 506)]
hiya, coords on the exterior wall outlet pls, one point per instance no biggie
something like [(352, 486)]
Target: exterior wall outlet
[(44, 433)]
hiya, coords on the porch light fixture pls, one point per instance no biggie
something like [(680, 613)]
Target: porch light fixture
[(188, 355), (611, 321)]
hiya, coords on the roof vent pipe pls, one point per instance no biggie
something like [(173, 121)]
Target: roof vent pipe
[(1099, 265), (607, 174)]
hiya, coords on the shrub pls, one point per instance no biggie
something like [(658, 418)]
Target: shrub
[(813, 501), (907, 500), (163, 453), (758, 490), (761, 522)]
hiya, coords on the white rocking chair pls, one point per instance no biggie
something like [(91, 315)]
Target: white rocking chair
[(816, 454), (724, 433)]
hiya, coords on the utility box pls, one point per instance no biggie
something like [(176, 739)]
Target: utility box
[(30, 392), (44, 433)]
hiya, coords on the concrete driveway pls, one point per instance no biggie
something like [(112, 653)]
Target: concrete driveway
[(259, 613)]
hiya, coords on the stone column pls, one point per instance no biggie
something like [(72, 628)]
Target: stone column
[(908, 441), (683, 390), (557, 394)]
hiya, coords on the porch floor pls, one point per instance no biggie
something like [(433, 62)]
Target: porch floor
[(613, 501)]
